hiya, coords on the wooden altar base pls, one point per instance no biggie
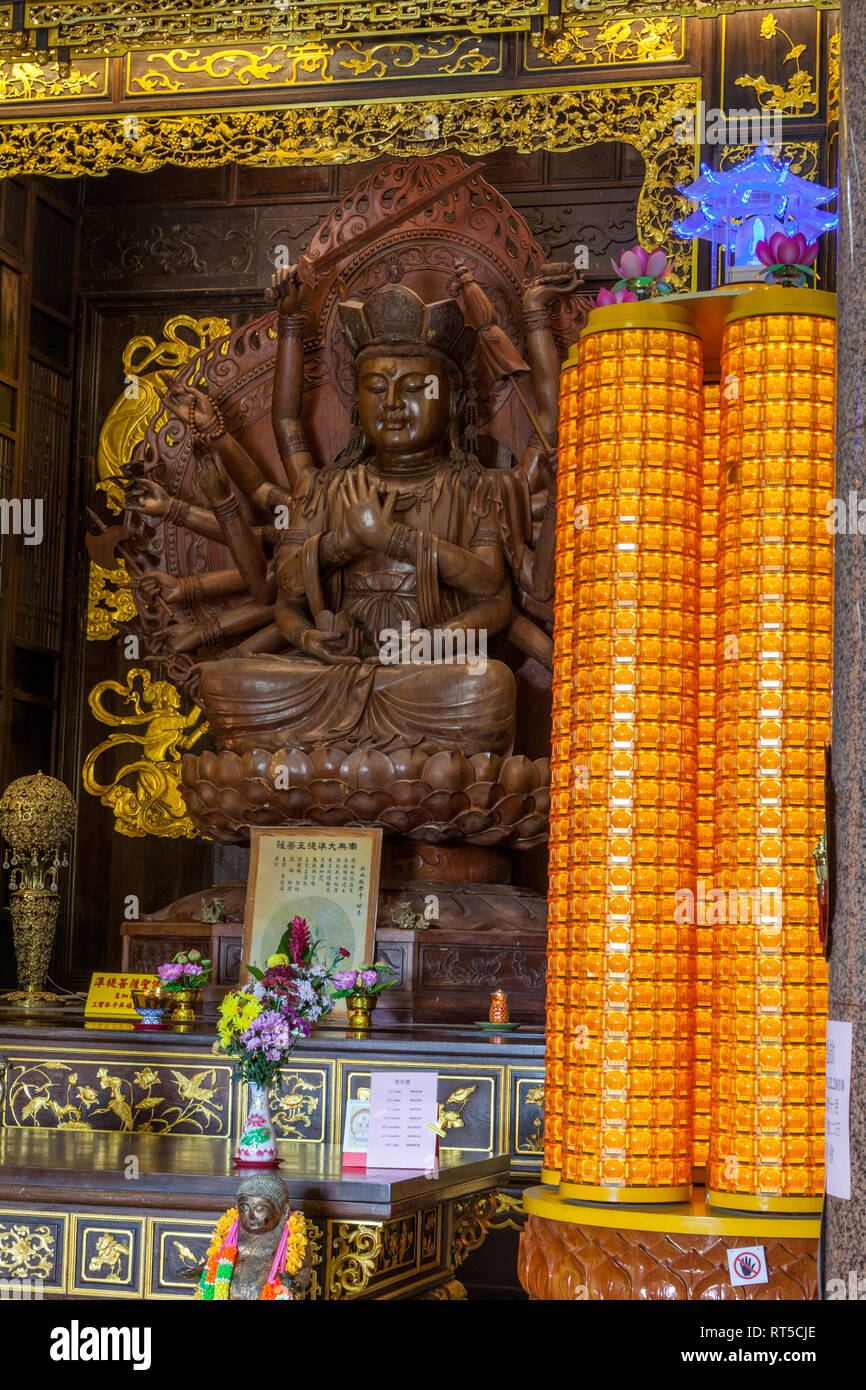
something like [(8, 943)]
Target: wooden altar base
[(107, 1081), (127, 1215)]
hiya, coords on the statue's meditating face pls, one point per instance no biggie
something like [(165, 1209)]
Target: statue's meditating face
[(258, 1214), (404, 403)]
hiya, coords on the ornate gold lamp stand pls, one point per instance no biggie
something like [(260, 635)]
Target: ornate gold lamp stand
[(37, 818)]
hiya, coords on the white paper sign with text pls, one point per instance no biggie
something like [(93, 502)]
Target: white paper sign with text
[(402, 1108)]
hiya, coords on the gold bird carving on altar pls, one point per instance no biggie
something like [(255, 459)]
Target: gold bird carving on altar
[(117, 1104), (191, 1087)]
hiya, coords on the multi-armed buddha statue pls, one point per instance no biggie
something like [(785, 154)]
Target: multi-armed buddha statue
[(371, 579)]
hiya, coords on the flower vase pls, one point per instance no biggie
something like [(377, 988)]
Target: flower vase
[(257, 1146), (359, 1008)]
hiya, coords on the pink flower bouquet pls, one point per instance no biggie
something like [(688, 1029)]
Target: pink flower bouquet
[(369, 979), (186, 970), (261, 1022)]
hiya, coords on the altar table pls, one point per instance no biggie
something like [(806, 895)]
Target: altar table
[(127, 1215)]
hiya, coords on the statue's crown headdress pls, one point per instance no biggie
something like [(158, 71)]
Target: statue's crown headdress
[(395, 315)]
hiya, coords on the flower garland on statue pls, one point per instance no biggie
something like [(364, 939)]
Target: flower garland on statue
[(216, 1278)]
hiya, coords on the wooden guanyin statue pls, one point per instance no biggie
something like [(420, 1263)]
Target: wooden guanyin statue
[(404, 526), (340, 496)]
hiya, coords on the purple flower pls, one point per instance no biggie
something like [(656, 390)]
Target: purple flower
[(368, 978), (346, 979), (170, 972), (193, 970)]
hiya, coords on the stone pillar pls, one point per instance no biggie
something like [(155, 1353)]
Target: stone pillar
[(845, 1231)]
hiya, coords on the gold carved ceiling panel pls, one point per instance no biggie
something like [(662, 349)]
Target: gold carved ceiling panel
[(256, 66)]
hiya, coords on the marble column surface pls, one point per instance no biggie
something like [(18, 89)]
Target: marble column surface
[(845, 1235)]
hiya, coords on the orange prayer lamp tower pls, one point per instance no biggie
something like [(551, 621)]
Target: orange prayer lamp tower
[(691, 705), (706, 802), (626, 707), (775, 610)]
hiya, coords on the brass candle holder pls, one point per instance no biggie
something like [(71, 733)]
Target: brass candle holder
[(37, 818)]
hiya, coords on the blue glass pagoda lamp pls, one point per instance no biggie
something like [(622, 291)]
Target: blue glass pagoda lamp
[(741, 207)]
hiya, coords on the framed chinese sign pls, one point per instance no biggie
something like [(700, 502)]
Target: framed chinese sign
[(329, 877)]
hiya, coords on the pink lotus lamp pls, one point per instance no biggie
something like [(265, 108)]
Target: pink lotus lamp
[(788, 259)]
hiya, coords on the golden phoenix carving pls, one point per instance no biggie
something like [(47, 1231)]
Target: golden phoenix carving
[(153, 805)]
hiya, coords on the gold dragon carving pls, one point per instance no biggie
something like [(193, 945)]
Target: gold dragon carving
[(314, 62), (153, 804), (145, 364)]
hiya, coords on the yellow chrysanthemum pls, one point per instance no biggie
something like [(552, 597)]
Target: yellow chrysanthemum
[(248, 1013), (229, 1007), (279, 959)]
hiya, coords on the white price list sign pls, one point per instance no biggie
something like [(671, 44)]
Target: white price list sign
[(837, 1138)]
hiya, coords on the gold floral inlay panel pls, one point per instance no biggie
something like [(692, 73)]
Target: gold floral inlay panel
[(804, 157), (619, 41), (132, 1099), (27, 1251), (529, 1119), (49, 82), (799, 95)]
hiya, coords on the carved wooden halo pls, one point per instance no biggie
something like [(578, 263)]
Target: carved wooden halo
[(472, 222)]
